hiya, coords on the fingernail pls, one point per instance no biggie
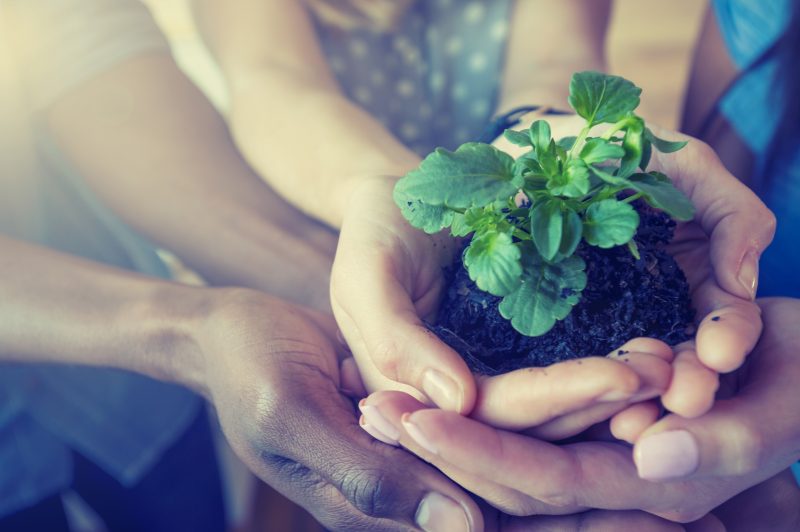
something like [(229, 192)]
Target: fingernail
[(442, 390), (667, 455), (437, 513), (375, 433), (374, 417), (748, 273), (417, 435)]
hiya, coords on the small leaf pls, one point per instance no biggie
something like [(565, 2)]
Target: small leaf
[(546, 294), (548, 159), (659, 192), (647, 153), (567, 142), (459, 226), (573, 183), (571, 234), (633, 247), (429, 218), (602, 98), (540, 136), (598, 150), (547, 226), (607, 177), (632, 144), (517, 138), (493, 262), (609, 223), (475, 174), (664, 146)]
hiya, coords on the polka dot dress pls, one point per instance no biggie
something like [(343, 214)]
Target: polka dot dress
[(434, 80)]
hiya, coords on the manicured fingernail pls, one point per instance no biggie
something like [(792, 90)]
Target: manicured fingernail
[(442, 390), (437, 513), (416, 434), (667, 455), (748, 273), (375, 433), (374, 417)]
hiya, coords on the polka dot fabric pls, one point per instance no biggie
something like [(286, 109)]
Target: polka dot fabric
[(434, 80)]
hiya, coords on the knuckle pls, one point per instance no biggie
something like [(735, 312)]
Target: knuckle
[(747, 449), (371, 491)]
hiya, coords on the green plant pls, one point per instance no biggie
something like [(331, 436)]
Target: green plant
[(527, 216)]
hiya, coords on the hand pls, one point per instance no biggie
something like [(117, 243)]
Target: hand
[(387, 278), (718, 251), (739, 443), (272, 372)]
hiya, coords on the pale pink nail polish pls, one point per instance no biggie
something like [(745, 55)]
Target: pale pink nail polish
[(667, 455), (374, 417), (375, 433), (417, 435)]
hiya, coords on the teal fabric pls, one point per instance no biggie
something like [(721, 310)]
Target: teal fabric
[(752, 107), (434, 80)]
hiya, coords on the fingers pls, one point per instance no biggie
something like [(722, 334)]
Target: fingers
[(572, 395), (595, 521), (739, 225), (347, 480), (728, 333), (750, 434), (385, 276), (629, 424), (693, 386)]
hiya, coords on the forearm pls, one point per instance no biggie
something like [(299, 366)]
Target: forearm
[(59, 308), (315, 149), (550, 40), (154, 149)]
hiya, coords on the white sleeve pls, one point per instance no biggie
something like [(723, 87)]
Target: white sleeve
[(61, 43)]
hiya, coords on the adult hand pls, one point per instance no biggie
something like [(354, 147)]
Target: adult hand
[(387, 278), (273, 373), (739, 443), (718, 251)]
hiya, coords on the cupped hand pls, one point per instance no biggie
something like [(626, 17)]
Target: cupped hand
[(272, 371), (387, 280), (683, 468)]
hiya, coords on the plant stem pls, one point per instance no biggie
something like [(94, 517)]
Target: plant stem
[(579, 142), (616, 127), (633, 198)]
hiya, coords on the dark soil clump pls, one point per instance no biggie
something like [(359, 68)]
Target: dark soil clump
[(624, 298)]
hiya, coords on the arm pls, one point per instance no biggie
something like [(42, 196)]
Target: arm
[(270, 369), (287, 113), (154, 149)]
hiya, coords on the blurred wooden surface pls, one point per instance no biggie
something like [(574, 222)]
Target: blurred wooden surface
[(650, 43)]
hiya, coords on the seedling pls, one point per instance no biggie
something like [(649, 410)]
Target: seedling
[(526, 217)]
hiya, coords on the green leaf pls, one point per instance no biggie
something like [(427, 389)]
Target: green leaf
[(607, 177), (609, 223), (493, 262), (540, 136), (460, 226), (602, 98), (546, 294), (647, 153), (632, 144), (567, 142), (517, 138), (597, 150), (548, 159), (658, 191), (475, 174), (556, 229), (664, 146), (429, 218), (573, 183)]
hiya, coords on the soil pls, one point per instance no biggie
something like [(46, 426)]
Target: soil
[(624, 298)]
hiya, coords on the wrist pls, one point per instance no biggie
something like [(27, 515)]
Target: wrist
[(170, 322)]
